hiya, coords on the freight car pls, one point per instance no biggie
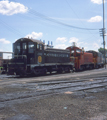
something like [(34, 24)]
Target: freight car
[(33, 57), (85, 60)]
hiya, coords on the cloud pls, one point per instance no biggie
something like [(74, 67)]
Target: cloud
[(34, 35), (61, 46), (10, 8), (1, 49), (97, 1), (4, 41), (96, 46), (95, 19), (99, 41), (61, 39), (73, 39)]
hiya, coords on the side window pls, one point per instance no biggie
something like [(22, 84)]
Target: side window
[(30, 47), (38, 46)]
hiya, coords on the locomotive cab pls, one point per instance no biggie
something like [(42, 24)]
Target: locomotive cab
[(28, 48), (27, 52), (76, 52)]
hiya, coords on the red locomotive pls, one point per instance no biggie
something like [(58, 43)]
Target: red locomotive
[(85, 60)]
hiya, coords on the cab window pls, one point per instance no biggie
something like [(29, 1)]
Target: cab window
[(40, 46), (37, 46), (72, 52), (30, 47), (78, 50), (17, 48), (24, 47)]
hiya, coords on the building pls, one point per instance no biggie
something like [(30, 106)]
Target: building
[(1, 58)]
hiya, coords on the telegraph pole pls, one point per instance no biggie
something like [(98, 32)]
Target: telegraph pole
[(102, 33)]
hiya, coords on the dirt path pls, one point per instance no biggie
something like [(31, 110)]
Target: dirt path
[(68, 106)]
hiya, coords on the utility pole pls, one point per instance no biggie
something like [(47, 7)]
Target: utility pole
[(103, 34)]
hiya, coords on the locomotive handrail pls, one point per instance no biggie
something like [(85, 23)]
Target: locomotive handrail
[(20, 56)]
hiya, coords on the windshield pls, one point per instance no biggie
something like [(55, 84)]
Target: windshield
[(16, 48), (78, 50), (72, 52)]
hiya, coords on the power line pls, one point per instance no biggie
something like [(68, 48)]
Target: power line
[(55, 21), (11, 28), (79, 18), (58, 22)]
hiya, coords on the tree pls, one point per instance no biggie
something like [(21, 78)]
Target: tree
[(102, 50)]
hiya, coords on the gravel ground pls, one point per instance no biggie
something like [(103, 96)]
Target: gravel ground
[(66, 106), (81, 105)]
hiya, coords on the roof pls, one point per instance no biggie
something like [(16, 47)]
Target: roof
[(73, 47), (29, 39)]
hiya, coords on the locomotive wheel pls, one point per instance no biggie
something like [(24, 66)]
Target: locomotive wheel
[(36, 71), (60, 70), (81, 68), (91, 67), (44, 71), (96, 67), (67, 70)]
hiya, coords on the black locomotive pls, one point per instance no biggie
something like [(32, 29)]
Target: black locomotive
[(33, 57)]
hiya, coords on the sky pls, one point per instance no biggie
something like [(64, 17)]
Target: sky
[(60, 21)]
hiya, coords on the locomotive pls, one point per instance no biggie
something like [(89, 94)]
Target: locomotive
[(33, 57), (86, 60), (97, 59)]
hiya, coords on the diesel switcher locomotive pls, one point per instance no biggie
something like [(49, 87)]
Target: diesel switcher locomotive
[(86, 60), (33, 57)]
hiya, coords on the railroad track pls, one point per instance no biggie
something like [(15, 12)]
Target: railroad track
[(38, 89)]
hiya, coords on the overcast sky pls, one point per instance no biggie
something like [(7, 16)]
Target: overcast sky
[(59, 21)]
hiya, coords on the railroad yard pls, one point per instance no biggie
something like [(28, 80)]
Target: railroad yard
[(70, 96)]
